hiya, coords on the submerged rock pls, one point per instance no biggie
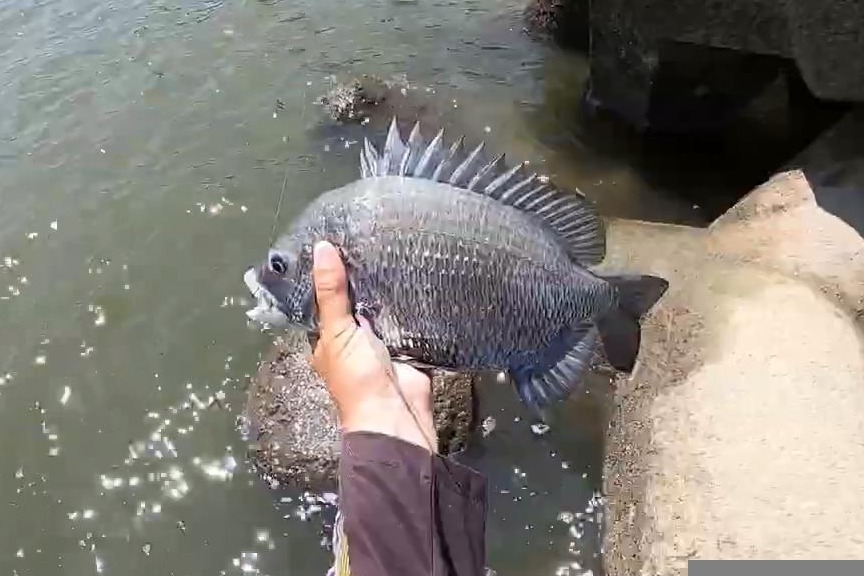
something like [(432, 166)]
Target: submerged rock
[(366, 104), (353, 101), (292, 425)]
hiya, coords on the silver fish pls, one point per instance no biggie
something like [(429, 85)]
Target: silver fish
[(464, 264)]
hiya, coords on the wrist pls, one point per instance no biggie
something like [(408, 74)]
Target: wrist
[(391, 417)]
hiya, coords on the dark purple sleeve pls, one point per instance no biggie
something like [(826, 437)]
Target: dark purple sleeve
[(407, 512)]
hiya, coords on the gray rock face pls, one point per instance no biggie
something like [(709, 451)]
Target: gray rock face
[(691, 64), (292, 427)]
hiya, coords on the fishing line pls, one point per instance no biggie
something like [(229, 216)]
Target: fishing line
[(432, 451), (278, 207), (285, 181), (396, 384), (384, 357)]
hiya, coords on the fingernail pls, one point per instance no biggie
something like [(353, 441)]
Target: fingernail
[(319, 246), (319, 249)]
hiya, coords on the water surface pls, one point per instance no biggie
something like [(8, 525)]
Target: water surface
[(141, 153)]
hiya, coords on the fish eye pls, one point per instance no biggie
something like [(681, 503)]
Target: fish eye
[(277, 264)]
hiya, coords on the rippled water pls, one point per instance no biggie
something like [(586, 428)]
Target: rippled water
[(141, 154)]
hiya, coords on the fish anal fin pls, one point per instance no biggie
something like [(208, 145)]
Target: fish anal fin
[(558, 379), (569, 215)]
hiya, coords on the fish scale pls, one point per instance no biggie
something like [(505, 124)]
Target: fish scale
[(466, 264), (532, 285)]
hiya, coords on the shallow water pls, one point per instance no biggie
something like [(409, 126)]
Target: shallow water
[(141, 153)]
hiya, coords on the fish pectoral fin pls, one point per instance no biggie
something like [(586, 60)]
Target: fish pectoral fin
[(427, 369), (540, 388), (413, 362)]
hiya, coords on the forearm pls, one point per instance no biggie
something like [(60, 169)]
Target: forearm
[(408, 512)]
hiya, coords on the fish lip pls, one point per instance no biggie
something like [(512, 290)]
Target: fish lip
[(266, 304), (250, 278)]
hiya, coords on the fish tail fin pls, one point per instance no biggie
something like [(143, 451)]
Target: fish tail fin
[(568, 214), (620, 329)]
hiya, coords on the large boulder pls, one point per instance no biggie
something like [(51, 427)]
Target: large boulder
[(738, 436), (291, 423)]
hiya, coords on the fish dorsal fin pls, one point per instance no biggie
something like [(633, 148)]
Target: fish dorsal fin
[(570, 215)]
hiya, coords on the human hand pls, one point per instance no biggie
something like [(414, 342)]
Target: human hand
[(356, 366)]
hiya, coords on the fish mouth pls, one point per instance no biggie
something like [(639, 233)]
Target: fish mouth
[(266, 311)]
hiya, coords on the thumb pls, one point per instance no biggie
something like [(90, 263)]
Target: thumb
[(331, 287)]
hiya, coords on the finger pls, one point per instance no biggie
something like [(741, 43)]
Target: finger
[(363, 322), (331, 288)]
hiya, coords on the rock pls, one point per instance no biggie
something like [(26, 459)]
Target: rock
[(697, 63), (292, 425), (669, 87), (365, 105), (374, 101), (738, 435), (564, 21), (352, 101)]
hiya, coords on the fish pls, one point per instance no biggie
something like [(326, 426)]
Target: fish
[(466, 264)]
